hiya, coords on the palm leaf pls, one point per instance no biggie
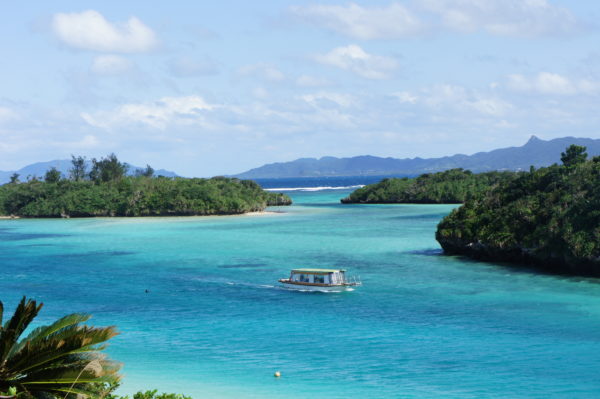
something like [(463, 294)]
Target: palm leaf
[(60, 360)]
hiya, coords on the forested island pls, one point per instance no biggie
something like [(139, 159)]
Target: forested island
[(106, 190), (453, 186), (548, 217)]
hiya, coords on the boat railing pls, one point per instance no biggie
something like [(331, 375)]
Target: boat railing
[(353, 280)]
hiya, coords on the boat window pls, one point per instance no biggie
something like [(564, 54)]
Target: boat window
[(303, 278), (319, 279)]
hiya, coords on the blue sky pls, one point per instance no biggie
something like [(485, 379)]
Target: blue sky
[(207, 88)]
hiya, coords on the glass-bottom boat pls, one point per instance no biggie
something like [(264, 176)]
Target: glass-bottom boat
[(334, 280)]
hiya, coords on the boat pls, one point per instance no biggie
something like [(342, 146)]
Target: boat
[(333, 280)]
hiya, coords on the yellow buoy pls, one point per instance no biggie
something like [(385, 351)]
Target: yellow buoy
[(277, 374)]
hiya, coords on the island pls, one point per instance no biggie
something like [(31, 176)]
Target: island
[(549, 217), (107, 190), (453, 186)]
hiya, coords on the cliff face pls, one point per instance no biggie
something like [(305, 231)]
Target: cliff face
[(549, 218), (553, 262)]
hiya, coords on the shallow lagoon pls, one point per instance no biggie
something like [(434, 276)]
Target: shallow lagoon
[(214, 323)]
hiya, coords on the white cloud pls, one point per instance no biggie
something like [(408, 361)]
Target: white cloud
[(89, 30), (406, 97), (111, 65), (264, 72), (456, 98), (553, 84), (311, 81), (521, 18), (185, 67), (187, 110), (7, 114), (355, 59), (322, 98), (391, 22)]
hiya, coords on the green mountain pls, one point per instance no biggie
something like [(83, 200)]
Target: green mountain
[(536, 152)]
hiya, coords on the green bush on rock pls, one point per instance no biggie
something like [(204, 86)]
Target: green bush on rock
[(107, 191), (453, 186), (549, 217)]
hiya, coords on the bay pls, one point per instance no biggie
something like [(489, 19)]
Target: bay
[(214, 324)]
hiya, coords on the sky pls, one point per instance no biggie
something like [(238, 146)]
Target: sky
[(213, 88)]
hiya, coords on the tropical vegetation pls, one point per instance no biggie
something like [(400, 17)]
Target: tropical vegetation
[(449, 187), (549, 217), (60, 360), (107, 190)]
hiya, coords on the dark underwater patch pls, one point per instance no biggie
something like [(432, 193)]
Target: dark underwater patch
[(242, 266), (80, 255)]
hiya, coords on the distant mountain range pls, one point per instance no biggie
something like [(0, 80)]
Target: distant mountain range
[(63, 165), (536, 152)]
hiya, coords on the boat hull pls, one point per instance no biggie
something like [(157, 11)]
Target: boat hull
[(316, 288)]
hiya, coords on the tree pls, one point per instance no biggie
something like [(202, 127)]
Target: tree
[(60, 360), (573, 155), (147, 172), (52, 175), (14, 178), (108, 169), (78, 171)]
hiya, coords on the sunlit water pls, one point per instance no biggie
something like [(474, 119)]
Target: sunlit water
[(214, 323)]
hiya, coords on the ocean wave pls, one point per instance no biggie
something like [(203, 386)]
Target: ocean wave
[(322, 188)]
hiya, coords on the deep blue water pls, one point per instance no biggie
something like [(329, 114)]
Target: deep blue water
[(214, 324)]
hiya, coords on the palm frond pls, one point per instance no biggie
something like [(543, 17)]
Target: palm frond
[(44, 331), (24, 314), (60, 360)]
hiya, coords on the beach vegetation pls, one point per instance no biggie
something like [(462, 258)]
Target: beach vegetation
[(61, 360)]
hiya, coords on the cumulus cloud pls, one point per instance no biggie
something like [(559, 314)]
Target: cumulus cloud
[(187, 110), (391, 22), (264, 72), (89, 30), (354, 58), (456, 98), (553, 84), (521, 18), (186, 67), (111, 65)]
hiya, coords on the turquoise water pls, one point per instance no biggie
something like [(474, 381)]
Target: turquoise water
[(215, 325)]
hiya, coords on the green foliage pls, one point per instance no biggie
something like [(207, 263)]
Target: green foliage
[(574, 155), (14, 178), (107, 169), (153, 394), (60, 360), (550, 217), (52, 176), (136, 196), (78, 171), (148, 171), (449, 187)]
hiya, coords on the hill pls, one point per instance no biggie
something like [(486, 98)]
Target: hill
[(536, 152), (452, 186), (548, 217), (63, 166)]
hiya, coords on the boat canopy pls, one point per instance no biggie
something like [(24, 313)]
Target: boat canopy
[(317, 271)]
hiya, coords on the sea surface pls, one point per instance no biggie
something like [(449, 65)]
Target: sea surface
[(214, 323)]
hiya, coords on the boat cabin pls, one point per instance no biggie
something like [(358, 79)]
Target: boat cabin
[(318, 276)]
